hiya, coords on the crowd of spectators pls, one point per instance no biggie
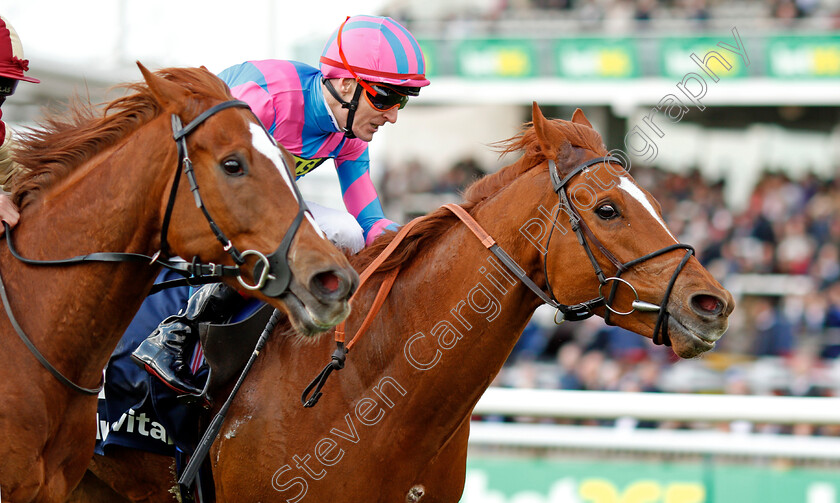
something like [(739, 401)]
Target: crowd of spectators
[(781, 341)]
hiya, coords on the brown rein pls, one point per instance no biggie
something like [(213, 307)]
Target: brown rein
[(388, 282), (338, 357)]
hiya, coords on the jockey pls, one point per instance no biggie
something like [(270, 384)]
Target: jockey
[(369, 69), (12, 66)]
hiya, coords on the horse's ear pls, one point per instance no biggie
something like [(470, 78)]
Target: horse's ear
[(168, 94), (579, 118), (537, 114), (539, 121)]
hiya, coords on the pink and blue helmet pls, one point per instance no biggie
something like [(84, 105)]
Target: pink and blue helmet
[(374, 49)]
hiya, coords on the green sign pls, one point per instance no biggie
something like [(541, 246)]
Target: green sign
[(496, 58), (599, 58), (803, 57), (700, 55), (607, 58), (518, 480)]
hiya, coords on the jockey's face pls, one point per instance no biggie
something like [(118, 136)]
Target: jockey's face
[(368, 120)]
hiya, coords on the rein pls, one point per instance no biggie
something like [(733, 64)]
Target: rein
[(574, 312), (272, 273), (38, 356)]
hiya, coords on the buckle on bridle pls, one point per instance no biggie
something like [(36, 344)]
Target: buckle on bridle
[(264, 274)]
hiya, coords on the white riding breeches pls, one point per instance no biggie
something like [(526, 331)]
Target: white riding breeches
[(340, 227)]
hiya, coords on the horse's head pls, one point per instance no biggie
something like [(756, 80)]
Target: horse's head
[(248, 211), (641, 278)]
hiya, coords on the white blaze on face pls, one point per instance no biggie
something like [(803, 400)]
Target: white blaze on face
[(637, 194), (263, 144)]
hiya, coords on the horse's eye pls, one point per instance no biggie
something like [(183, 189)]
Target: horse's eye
[(233, 167), (606, 211)]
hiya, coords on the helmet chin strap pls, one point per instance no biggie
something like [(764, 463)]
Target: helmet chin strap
[(351, 106)]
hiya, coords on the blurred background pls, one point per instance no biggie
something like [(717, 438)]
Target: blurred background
[(748, 176)]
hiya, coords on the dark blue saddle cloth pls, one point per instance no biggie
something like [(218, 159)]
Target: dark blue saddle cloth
[(137, 410)]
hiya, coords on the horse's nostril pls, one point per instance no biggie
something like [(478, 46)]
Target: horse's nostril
[(707, 304), (328, 281)]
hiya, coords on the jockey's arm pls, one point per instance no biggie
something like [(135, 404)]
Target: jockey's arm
[(361, 199)]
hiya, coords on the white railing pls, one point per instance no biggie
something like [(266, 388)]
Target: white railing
[(656, 406), (659, 441)]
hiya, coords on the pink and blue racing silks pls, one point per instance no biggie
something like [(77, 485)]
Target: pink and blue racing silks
[(287, 97)]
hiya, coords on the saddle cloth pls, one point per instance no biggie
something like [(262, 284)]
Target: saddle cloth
[(137, 410)]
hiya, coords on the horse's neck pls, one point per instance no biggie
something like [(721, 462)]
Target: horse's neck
[(111, 204), (446, 348)]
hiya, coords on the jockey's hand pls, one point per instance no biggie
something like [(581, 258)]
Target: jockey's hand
[(8, 212)]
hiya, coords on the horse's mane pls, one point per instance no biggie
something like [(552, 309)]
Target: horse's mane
[(438, 221), (65, 140)]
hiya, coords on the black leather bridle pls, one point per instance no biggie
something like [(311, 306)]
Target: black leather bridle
[(585, 235), (271, 272)]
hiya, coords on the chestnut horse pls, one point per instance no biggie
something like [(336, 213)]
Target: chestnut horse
[(108, 182), (393, 425)]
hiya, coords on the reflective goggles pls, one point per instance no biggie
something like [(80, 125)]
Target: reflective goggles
[(386, 98)]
